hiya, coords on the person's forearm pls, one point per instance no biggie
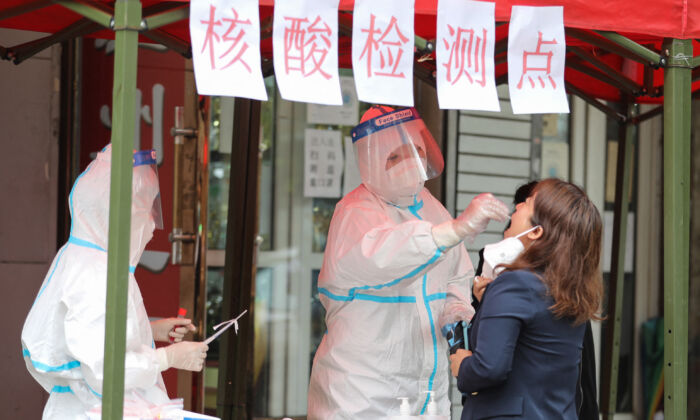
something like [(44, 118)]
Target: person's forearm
[(492, 358)]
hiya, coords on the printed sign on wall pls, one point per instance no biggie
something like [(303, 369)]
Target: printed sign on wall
[(323, 163)]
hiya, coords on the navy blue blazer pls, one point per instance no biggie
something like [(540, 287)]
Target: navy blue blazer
[(525, 361)]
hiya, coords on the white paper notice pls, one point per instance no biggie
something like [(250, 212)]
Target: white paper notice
[(466, 37), (347, 114), (536, 59), (351, 173), (323, 163), (305, 50), (382, 51), (225, 37)]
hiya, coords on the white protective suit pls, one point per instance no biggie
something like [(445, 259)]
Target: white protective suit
[(387, 289), (63, 335)]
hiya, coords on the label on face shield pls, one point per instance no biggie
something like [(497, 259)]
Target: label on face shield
[(385, 121), (393, 117)]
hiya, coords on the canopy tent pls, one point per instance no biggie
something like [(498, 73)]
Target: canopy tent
[(600, 64), (648, 59)]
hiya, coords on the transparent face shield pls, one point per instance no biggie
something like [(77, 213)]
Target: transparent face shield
[(146, 188), (396, 154)]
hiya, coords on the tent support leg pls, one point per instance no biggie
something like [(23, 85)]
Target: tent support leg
[(616, 285), (127, 16), (676, 225)]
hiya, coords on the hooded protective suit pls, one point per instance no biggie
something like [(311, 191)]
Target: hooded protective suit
[(63, 335), (387, 288)]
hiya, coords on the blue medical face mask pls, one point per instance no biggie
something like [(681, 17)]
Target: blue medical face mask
[(502, 252)]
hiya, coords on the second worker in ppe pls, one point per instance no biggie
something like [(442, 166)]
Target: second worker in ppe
[(63, 335), (392, 276)]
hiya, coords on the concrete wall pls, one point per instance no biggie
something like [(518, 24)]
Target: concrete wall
[(29, 116)]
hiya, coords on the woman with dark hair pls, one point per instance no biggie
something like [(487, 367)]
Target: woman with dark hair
[(526, 337)]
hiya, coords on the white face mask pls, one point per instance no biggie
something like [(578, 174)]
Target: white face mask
[(502, 252), (401, 183)]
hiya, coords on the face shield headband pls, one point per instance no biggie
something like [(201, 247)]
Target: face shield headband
[(147, 159)]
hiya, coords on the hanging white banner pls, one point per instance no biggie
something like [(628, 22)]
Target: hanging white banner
[(225, 36), (382, 51), (305, 50), (536, 59), (465, 41)]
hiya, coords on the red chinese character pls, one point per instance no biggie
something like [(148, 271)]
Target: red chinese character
[(235, 40), (298, 49), (211, 34), (392, 45), (462, 48), (541, 70), (212, 39)]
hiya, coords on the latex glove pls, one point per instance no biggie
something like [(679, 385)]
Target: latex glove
[(187, 355), (176, 328), (473, 220), (479, 287)]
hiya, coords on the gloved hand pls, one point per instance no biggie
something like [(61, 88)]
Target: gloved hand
[(187, 355), (176, 328), (473, 220)]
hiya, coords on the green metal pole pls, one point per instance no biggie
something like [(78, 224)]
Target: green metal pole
[(127, 15), (696, 61), (616, 287), (166, 18), (652, 57), (676, 225), (90, 11)]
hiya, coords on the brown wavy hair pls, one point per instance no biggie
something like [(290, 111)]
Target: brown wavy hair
[(567, 255)]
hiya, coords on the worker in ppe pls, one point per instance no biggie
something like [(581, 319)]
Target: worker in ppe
[(64, 333), (392, 276)]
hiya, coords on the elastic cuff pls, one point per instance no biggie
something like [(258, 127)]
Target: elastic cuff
[(445, 236), (162, 359)]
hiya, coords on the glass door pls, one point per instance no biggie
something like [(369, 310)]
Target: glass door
[(289, 318)]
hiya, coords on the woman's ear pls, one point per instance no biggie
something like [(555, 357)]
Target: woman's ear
[(536, 233)]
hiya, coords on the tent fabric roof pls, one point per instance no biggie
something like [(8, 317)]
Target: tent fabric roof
[(658, 18), (645, 21)]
